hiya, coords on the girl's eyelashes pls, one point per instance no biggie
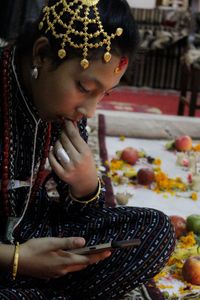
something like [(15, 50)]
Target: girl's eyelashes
[(82, 88)]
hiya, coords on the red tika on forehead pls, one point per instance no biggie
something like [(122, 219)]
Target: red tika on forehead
[(123, 62)]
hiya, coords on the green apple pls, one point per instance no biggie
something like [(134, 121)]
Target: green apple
[(193, 223)]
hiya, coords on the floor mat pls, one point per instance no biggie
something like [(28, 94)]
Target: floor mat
[(128, 98)]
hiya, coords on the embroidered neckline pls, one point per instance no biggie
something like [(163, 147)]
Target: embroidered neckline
[(7, 142), (29, 105)]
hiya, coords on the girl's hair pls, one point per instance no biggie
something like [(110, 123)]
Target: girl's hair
[(113, 14)]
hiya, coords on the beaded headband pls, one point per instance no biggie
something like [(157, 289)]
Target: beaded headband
[(79, 11)]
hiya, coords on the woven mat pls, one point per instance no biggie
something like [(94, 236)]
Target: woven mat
[(151, 126)]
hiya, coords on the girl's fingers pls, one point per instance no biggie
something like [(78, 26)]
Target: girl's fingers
[(74, 137), (68, 146)]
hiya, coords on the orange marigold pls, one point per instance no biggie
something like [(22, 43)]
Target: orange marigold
[(188, 240)]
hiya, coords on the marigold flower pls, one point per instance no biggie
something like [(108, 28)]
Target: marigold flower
[(188, 240), (122, 138), (196, 147), (157, 161), (194, 196)]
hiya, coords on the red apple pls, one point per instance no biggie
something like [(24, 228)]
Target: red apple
[(129, 155), (179, 224), (183, 143), (191, 270), (145, 176)]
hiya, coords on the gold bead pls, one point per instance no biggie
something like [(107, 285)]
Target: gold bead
[(41, 24), (90, 2), (45, 9), (119, 31), (107, 57), (84, 63), (68, 31), (62, 53)]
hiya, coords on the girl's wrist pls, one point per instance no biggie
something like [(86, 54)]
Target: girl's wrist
[(6, 257), (89, 197), (85, 192)]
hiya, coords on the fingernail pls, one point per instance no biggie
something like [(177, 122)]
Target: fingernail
[(108, 253), (79, 241)]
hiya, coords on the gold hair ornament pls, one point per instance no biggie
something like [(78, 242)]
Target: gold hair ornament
[(79, 11)]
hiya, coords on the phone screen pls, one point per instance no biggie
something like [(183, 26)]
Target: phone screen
[(107, 246)]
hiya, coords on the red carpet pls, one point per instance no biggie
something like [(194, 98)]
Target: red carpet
[(126, 98)]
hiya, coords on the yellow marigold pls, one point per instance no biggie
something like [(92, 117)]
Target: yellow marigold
[(116, 164), (184, 290), (171, 261), (175, 261), (157, 169), (188, 240), (122, 138), (157, 161), (106, 162), (194, 196), (196, 147), (163, 286), (164, 183), (130, 173), (179, 264), (160, 275), (116, 179), (141, 154)]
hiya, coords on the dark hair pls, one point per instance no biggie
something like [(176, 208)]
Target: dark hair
[(113, 14)]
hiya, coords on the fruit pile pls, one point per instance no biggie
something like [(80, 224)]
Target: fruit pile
[(184, 264), (126, 168), (122, 167)]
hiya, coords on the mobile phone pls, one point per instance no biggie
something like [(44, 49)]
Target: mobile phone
[(107, 246)]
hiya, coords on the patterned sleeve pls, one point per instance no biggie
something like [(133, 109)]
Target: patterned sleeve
[(62, 187)]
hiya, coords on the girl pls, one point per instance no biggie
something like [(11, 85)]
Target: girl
[(51, 82)]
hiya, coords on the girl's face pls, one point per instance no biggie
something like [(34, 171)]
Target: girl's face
[(71, 92)]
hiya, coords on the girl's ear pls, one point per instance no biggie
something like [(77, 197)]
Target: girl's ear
[(41, 49)]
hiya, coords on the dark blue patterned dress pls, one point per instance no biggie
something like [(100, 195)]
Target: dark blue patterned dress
[(109, 279)]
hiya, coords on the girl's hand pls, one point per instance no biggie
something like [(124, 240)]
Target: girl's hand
[(48, 258), (80, 170)]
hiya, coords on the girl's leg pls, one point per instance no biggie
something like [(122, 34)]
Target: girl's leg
[(126, 268)]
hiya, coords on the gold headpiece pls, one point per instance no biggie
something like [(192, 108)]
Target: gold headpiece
[(79, 11)]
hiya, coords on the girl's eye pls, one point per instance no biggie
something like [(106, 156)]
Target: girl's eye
[(82, 88)]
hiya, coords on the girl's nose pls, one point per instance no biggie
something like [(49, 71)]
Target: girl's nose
[(89, 107)]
